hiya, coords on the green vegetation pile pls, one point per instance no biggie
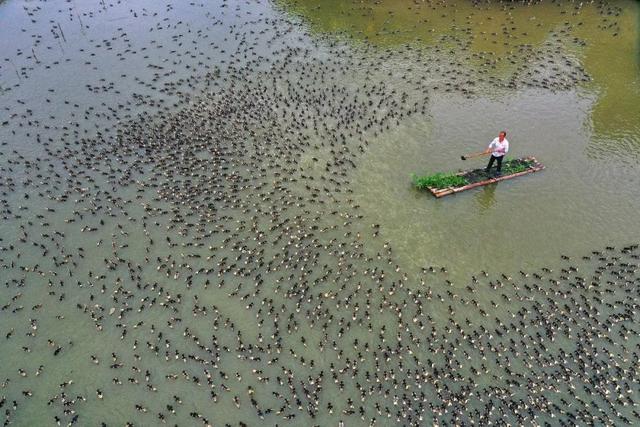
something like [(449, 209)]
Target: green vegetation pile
[(439, 180), (446, 180)]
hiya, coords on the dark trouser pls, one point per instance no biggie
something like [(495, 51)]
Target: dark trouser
[(492, 159)]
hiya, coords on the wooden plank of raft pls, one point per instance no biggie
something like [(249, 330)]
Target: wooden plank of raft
[(441, 192)]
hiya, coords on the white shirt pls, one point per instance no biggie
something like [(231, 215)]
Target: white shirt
[(499, 148)]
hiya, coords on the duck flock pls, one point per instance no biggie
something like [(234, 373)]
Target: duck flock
[(189, 253)]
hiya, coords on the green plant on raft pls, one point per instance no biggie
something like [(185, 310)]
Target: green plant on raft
[(438, 180), (515, 166)]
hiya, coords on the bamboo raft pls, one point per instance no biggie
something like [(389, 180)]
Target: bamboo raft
[(441, 192)]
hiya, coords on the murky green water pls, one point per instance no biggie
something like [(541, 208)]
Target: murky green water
[(208, 217), (498, 40), (586, 194)]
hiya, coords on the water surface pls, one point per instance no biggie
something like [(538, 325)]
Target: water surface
[(208, 216)]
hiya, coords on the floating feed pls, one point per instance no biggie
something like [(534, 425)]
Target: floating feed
[(442, 184)]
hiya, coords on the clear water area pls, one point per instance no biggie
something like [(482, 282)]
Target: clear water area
[(587, 136)]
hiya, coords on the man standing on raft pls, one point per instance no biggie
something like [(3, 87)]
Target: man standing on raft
[(498, 148)]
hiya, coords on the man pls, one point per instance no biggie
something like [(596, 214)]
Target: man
[(498, 148)]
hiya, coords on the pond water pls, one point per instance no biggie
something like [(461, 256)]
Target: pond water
[(208, 215), (588, 194)]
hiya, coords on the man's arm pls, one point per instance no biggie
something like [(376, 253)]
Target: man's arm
[(489, 148)]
